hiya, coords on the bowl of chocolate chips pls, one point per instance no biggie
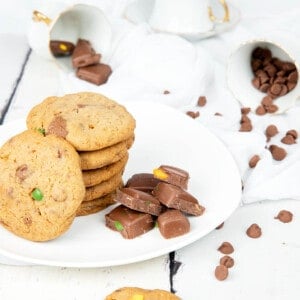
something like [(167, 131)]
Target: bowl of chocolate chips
[(263, 74)]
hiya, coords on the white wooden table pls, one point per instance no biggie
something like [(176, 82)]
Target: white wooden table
[(265, 268)]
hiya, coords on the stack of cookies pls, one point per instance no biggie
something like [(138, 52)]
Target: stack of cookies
[(100, 130)]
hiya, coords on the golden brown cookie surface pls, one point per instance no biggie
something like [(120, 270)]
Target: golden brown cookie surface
[(41, 185), (89, 121), (96, 176)]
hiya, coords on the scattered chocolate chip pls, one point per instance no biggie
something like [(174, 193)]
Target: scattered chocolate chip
[(278, 153), (254, 231), (293, 133), (166, 92), (193, 114), (227, 261), (260, 110), (284, 216), (271, 131), (201, 101), (226, 248), (218, 114), (220, 226), (253, 161), (245, 110), (288, 140), (245, 127), (221, 272)]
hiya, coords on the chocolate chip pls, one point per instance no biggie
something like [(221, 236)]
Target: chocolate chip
[(271, 70), (288, 66), (58, 126), (284, 90), (166, 92), (218, 114), (293, 77), (271, 131), (291, 85), (264, 87), (253, 161), (260, 110), (226, 248), (245, 127), (193, 114), (284, 216), (293, 133), (245, 110), (227, 261), (254, 231), (267, 101), (256, 82), (221, 272), (220, 226), (201, 101), (288, 140), (271, 108), (278, 153)]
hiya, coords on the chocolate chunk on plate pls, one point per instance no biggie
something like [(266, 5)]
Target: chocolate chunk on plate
[(138, 200), (128, 222), (174, 197), (145, 182), (173, 175), (173, 223), (97, 74), (84, 54)]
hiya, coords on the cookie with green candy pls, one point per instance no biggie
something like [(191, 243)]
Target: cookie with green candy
[(41, 185)]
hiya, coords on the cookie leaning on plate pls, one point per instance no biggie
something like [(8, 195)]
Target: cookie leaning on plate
[(41, 185), (89, 121)]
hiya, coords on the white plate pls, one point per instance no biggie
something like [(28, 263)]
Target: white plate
[(140, 11), (163, 136)]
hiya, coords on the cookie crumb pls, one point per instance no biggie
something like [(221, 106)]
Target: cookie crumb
[(226, 248), (254, 231), (253, 161), (284, 216), (202, 101), (227, 261), (221, 272)]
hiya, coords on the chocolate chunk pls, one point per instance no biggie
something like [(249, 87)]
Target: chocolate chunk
[(138, 200), (226, 248), (174, 197), (253, 161), (284, 216), (221, 272), (22, 172), (193, 114), (61, 48), (173, 175), (271, 131), (254, 231), (227, 261), (84, 55), (278, 153), (128, 222), (145, 182), (58, 126), (97, 74), (173, 223), (201, 101)]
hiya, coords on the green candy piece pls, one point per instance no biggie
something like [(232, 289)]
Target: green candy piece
[(41, 131), (37, 194), (118, 226)]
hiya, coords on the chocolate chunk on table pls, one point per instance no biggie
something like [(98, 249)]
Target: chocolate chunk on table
[(97, 74), (84, 55), (174, 197), (128, 222), (138, 200), (61, 48), (173, 223), (145, 182), (173, 175)]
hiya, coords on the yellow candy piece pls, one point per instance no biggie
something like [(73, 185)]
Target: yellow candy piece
[(63, 47), (137, 297), (160, 174)]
